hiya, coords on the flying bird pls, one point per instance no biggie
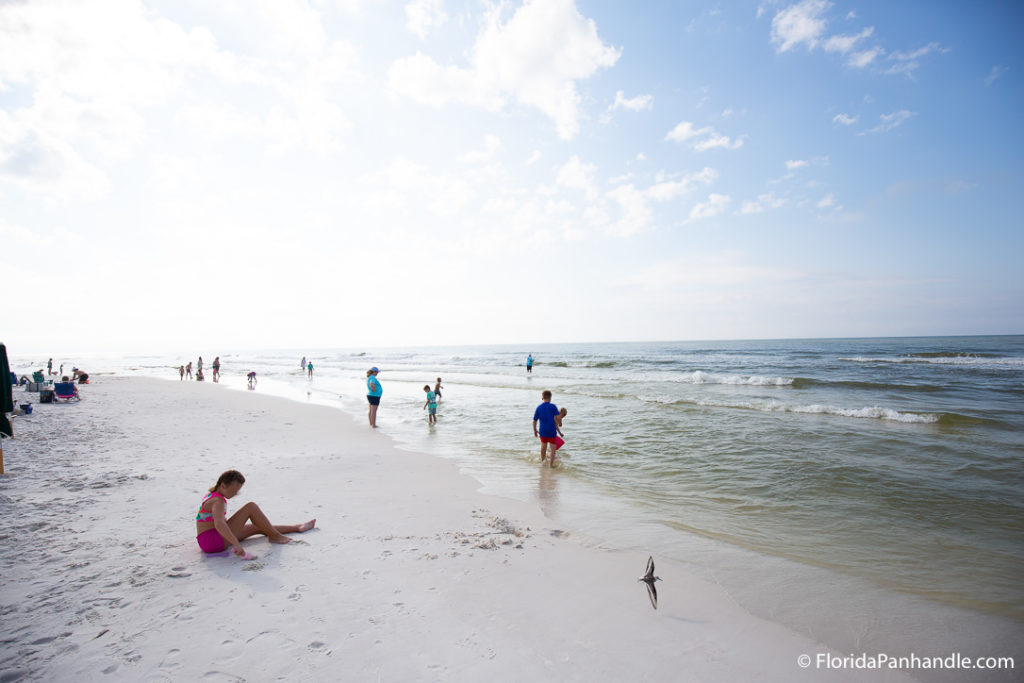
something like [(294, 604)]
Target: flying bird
[(649, 578)]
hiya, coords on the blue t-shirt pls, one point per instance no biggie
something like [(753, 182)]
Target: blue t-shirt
[(373, 387), (431, 399), (545, 414)]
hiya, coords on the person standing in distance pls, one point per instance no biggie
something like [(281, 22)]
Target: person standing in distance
[(545, 414), (529, 363), (373, 393)]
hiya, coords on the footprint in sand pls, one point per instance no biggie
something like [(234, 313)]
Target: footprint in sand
[(178, 573), (253, 566)]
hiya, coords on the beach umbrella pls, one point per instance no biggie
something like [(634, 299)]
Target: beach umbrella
[(6, 400)]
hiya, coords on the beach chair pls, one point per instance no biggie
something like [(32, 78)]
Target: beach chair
[(66, 391)]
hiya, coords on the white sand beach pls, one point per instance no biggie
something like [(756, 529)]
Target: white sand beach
[(410, 575)]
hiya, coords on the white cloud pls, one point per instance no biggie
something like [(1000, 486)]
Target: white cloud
[(684, 130), (534, 157), (794, 164), (636, 214), (805, 24), (638, 103), (96, 78), (640, 156), (577, 175), (799, 24), (997, 71), (535, 58), (763, 203), (716, 140), (845, 119), (906, 62), (826, 201), (890, 121), (492, 143), (844, 44), (423, 15), (862, 59), (670, 189), (701, 139), (716, 204)]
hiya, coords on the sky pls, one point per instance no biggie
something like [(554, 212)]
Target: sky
[(190, 174)]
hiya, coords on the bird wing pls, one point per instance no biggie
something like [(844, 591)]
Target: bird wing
[(650, 567), (652, 593)]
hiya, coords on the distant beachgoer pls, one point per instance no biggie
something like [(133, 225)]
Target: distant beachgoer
[(199, 366), (215, 531), (302, 365), (545, 414), (216, 369), (309, 367), (438, 388), (252, 380), (83, 377), (200, 377), (373, 394), (61, 369), (49, 367), (181, 371), (529, 363), (188, 370), (431, 404)]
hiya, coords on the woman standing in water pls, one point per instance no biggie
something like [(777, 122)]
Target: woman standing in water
[(373, 392), (215, 531)]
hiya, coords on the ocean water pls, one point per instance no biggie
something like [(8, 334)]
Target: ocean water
[(854, 473)]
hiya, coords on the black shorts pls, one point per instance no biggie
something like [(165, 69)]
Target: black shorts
[(374, 400)]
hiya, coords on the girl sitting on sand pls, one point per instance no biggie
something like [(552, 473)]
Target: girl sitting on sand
[(215, 532)]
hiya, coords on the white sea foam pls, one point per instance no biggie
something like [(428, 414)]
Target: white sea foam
[(868, 412), (701, 377), (964, 359)]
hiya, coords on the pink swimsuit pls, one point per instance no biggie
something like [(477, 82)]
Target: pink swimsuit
[(210, 541)]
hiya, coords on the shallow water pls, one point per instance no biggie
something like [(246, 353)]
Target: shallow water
[(895, 464)]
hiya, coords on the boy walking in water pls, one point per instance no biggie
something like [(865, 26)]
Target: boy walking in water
[(545, 414), (431, 404)]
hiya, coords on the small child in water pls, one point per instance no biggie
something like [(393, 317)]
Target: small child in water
[(559, 441), (431, 404)]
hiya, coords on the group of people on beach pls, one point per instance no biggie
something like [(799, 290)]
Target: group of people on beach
[(77, 375), (216, 532), (186, 370), (374, 391)]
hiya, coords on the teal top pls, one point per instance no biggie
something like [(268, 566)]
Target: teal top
[(432, 399), (203, 515), (373, 387)]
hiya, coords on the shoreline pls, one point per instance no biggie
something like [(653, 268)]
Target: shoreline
[(847, 611), (411, 574)]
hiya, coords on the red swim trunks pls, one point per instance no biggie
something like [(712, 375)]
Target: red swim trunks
[(548, 439)]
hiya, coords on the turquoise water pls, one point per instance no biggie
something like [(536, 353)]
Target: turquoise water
[(894, 464)]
